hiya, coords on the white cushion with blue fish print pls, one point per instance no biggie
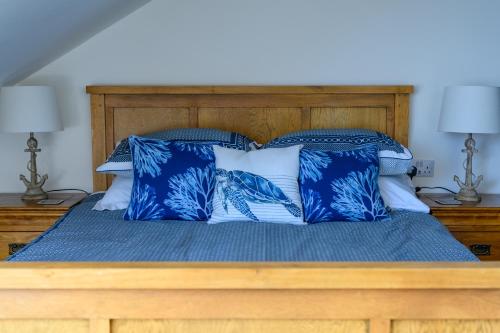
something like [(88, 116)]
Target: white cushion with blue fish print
[(258, 186)]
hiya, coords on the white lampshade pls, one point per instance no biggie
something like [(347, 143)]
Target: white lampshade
[(29, 109), (470, 109)]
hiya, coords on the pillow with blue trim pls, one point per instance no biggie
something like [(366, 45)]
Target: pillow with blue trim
[(395, 159), (341, 186), (172, 180), (120, 160), (257, 186)]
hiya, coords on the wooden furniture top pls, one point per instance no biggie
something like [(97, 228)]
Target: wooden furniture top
[(489, 203), (135, 90), (249, 275), (260, 112), (12, 202)]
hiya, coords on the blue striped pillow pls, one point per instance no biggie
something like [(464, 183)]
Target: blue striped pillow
[(120, 160), (395, 159)]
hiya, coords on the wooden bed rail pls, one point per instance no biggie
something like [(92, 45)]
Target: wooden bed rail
[(250, 297), (249, 275)]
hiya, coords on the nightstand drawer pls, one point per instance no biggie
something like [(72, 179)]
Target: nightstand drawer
[(13, 241), (486, 245), (14, 221)]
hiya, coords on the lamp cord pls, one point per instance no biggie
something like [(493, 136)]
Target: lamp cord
[(419, 188), (70, 189)]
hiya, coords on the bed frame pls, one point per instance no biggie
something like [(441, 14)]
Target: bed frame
[(247, 297)]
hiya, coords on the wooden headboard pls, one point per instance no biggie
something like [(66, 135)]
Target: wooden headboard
[(260, 112)]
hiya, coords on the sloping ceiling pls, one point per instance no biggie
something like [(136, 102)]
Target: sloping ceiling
[(35, 32)]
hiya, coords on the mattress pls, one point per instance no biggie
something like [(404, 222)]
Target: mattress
[(87, 235)]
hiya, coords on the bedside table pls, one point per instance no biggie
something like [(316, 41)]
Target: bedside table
[(22, 221), (476, 225)]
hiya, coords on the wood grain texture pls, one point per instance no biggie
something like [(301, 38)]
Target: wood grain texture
[(378, 325), (261, 113), (490, 203), (261, 124), (263, 305), (401, 117), (44, 326), (446, 326), (243, 326), (157, 303), (99, 325), (98, 124), (352, 117), (250, 100), (249, 275), (19, 215), (17, 237), (22, 221), (472, 239), (249, 89), (471, 223), (128, 121)]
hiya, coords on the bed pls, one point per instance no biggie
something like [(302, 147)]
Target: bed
[(84, 235), (286, 286)]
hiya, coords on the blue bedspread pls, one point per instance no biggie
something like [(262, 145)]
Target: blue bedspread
[(86, 235)]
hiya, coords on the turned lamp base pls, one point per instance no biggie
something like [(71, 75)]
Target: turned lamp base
[(468, 191), (468, 196), (34, 195), (34, 189)]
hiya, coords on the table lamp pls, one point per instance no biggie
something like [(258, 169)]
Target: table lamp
[(29, 109), (470, 109)]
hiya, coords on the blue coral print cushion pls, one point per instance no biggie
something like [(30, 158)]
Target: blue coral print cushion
[(172, 180), (257, 186), (341, 186)]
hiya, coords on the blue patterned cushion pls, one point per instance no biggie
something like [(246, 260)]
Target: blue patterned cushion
[(341, 186), (120, 160), (395, 159), (172, 180)]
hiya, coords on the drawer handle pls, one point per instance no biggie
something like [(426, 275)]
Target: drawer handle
[(481, 249), (14, 247)]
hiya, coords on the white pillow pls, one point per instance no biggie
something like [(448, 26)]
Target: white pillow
[(117, 196), (258, 186), (398, 192)]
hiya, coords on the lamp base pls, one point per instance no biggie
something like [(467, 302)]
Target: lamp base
[(468, 195), (34, 194), (468, 191), (34, 189)]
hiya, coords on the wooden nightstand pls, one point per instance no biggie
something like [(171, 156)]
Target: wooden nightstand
[(21, 221), (475, 225)]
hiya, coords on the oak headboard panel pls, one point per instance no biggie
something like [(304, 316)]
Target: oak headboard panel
[(260, 112)]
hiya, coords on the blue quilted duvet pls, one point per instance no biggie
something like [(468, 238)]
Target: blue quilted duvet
[(86, 235)]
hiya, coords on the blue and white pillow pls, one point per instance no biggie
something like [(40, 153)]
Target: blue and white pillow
[(172, 180), (341, 186), (259, 186), (395, 159), (120, 160)]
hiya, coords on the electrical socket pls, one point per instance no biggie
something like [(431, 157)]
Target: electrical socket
[(425, 168)]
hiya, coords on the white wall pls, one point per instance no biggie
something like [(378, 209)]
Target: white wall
[(427, 43), (33, 33)]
